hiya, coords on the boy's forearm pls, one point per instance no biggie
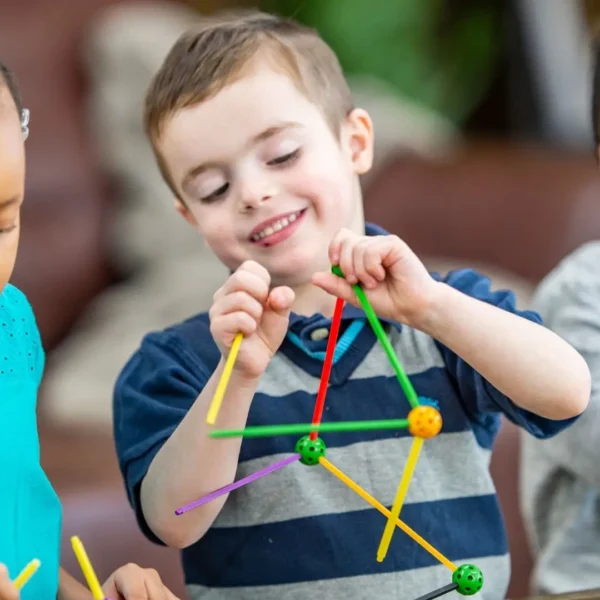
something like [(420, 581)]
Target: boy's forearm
[(534, 367), (191, 465), (70, 589)]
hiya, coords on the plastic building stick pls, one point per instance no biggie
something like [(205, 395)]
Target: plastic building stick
[(409, 390), (331, 342), (439, 592), (409, 470), (237, 484), (215, 405), (87, 569), (383, 510), (268, 430), (27, 573)]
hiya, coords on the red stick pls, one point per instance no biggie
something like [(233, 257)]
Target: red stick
[(331, 342)]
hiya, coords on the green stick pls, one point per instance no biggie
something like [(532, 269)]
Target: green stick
[(267, 430), (409, 390)]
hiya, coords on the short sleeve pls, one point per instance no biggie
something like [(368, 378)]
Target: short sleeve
[(569, 300), (152, 395), (483, 401)]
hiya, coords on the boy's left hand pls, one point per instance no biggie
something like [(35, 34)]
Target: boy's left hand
[(134, 583), (395, 281)]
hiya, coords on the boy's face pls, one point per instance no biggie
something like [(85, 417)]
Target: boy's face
[(263, 177), (12, 182)]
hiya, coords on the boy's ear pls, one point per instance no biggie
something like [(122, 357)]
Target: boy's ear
[(359, 129), (182, 209)]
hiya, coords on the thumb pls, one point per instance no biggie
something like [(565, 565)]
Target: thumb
[(280, 300), (336, 286)]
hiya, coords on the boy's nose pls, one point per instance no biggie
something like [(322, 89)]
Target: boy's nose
[(252, 197)]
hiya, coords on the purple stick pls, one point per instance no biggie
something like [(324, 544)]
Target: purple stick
[(237, 484)]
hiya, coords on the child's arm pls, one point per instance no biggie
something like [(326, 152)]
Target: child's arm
[(569, 302), (531, 365), (190, 464)]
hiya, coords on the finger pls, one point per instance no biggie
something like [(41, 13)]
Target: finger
[(336, 286), (226, 327), (373, 259), (8, 591), (346, 261), (251, 266), (251, 283), (336, 245), (154, 586), (359, 259), (236, 301), (129, 583), (281, 299)]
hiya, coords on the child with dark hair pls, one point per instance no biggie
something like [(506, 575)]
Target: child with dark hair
[(30, 512)]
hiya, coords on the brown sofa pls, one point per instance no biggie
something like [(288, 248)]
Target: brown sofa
[(522, 209)]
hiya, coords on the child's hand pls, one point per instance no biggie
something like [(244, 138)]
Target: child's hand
[(134, 583), (245, 303), (7, 590), (395, 281)]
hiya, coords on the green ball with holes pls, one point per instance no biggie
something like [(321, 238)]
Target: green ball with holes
[(469, 579), (310, 450)]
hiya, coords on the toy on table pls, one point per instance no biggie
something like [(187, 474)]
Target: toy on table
[(424, 421)]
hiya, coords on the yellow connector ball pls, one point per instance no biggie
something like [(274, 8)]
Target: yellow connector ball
[(424, 421)]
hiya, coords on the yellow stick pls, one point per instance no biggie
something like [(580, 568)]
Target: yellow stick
[(87, 569), (215, 405), (409, 470), (383, 510), (27, 573)]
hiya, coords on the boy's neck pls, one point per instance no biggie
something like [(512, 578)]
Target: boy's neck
[(310, 300)]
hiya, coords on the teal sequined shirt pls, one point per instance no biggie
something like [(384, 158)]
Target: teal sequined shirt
[(30, 511)]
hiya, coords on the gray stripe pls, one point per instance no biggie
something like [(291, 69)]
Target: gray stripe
[(405, 585), (416, 351), (376, 466)]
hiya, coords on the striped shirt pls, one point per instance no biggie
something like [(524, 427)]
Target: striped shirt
[(300, 531)]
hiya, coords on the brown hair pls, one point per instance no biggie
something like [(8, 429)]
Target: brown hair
[(217, 52)]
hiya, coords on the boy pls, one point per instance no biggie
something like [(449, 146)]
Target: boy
[(30, 512), (255, 132), (560, 487)]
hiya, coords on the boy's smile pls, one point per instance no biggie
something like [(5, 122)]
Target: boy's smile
[(278, 229), (262, 177)]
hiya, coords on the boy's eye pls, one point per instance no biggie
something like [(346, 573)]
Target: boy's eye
[(7, 229), (217, 193), (284, 158)]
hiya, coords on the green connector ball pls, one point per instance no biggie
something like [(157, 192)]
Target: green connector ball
[(469, 579), (310, 450)]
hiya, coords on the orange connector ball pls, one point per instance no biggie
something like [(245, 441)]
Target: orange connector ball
[(424, 422)]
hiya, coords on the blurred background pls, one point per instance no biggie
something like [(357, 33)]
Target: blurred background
[(485, 156)]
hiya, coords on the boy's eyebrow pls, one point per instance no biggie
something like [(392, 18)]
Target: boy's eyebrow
[(260, 137)]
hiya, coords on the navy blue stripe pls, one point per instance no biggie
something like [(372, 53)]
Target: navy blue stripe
[(344, 545), (355, 401)]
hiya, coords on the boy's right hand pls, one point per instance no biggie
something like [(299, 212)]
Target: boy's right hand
[(7, 589), (246, 304)]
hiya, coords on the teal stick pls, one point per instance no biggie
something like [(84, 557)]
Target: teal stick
[(268, 430), (409, 390)]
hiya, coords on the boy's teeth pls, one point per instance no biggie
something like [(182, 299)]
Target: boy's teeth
[(277, 226)]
